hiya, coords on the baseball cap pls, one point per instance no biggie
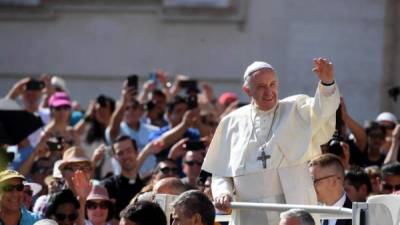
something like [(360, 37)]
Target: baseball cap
[(59, 99), (9, 174)]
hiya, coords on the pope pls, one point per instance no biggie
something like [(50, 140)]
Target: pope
[(259, 151)]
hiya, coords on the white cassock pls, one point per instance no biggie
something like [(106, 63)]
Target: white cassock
[(300, 124)]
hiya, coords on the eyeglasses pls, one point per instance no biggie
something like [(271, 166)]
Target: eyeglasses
[(391, 187), (166, 170), (62, 107), (192, 163), (322, 178), (62, 216), (73, 168), (94, 205), (10, 187)]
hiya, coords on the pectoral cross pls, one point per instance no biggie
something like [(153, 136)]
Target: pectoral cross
[(263, 157)]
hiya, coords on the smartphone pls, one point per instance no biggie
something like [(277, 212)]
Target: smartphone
[(55, 143), (133, 81), (192, 101), (194, 145), (189, 84), (153, 77), (34, 85)]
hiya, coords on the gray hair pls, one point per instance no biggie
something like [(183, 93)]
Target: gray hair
[(304, 216), (194, 201)]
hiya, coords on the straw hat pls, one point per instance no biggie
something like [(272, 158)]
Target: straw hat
[(73, 155)]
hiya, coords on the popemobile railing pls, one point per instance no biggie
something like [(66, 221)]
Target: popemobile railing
[(373, 213), (378, 210)]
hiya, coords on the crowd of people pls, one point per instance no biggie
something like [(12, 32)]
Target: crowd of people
[(105, 164)]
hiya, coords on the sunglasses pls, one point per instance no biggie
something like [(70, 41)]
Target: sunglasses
[(10, 188), (84, 168), (322, 178), (192, 163), (166, 170), (95, 205), (63, 107), (62, 216), (391, 187)]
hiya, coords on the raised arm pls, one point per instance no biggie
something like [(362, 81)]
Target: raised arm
[(81, 125), (176, 133), (116, 118), (17, 89), (323, 68), (394, 147), (356, 129)]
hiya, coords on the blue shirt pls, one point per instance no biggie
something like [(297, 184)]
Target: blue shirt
[(20, 155)]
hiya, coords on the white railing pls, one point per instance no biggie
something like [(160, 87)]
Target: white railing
[(325, 212)]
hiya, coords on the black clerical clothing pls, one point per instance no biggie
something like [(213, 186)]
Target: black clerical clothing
[(122, 190)]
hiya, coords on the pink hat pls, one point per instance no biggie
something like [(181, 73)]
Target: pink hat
[(59, 99), (98, 193), (227, 97)]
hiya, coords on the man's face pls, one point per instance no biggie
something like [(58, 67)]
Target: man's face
[(376, 139), (125, 154), (160, 102), (192, 163), (263, 89), (355, 195), (176, 116), (179, 217), (11, 194), (31, 97), (133, 112), (166, 169), (390, 184), (69, 170), (322, 182)]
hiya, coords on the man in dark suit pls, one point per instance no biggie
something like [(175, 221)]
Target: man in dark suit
[(328, 175)]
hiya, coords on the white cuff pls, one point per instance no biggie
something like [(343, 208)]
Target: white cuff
[(327, 90)]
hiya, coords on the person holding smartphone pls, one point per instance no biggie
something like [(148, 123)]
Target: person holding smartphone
[(126, 120)]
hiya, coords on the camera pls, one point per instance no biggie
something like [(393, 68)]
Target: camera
[(188, 84), (334, 146), (55, 143), (34, 85)]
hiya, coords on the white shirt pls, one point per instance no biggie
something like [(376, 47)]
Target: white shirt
[(339, 203)]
